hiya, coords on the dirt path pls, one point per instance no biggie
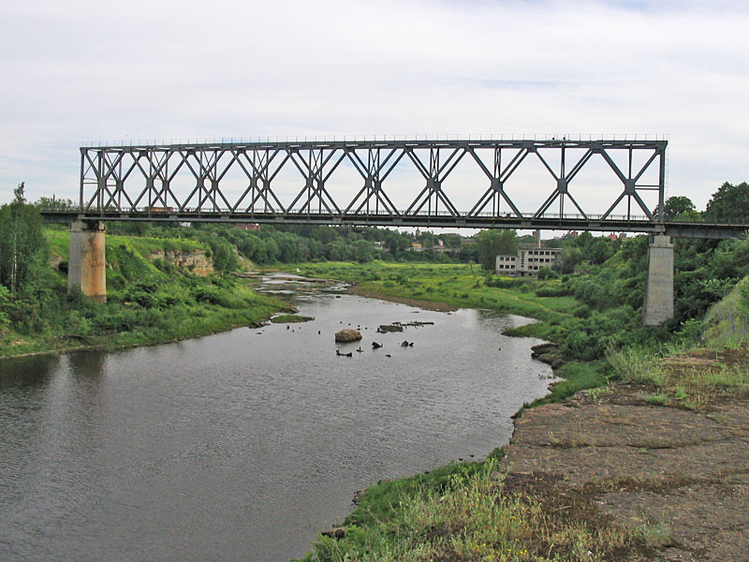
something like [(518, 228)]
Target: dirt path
[(679, 477)]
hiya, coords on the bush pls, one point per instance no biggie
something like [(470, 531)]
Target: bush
[(553, 290), (547, 273), (507, 282), (208, 295)]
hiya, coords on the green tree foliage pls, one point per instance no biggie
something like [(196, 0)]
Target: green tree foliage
[(31, 291), (680, 208), (729, 204), (4, 308), (302, 243), (22, 244), (704, 272), (363, 251), (55, 204), (585, 248), (491, 243)]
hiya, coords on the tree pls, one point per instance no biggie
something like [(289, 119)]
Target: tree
[(600, 250), (491, 243), (729, 204), (679, 208), (571, 257), (224, 256), (22, 243), (54, 204), (363, 251), (4, 306), (451, 240)]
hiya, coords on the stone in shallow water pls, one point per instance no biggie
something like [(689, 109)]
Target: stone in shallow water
[(347, 335)]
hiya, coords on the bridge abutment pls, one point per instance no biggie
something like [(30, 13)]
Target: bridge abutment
[(659, 288), (87, 263)]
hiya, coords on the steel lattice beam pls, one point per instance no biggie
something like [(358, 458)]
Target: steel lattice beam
[(191, 180)]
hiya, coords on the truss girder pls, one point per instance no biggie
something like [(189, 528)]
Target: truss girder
[(242, 178)]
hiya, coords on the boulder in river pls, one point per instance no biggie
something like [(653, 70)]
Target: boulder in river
[(347, 335)]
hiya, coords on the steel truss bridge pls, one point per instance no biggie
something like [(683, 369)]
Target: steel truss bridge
[(356, 182)]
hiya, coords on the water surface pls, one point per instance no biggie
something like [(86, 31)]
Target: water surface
[(242, 445)]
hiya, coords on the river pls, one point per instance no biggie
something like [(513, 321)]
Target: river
[(242, 445)]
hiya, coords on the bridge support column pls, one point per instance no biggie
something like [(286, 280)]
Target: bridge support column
[(659, 289), (87, 264)]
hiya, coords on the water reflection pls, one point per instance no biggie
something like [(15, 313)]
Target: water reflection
[(242, 445), (88, 365), (27, 371)]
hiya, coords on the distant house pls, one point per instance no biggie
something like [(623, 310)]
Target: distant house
[(526, 263), (248, 226), (416, 247)]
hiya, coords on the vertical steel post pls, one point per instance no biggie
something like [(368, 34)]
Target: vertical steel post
[(662, 183), (83, 161)]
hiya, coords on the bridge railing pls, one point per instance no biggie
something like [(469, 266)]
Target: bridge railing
[(111, 212)]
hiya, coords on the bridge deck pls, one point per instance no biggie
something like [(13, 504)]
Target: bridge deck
[(615, 224)]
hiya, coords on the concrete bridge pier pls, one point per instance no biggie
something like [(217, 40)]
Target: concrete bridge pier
[(659, 288), (87, 264)]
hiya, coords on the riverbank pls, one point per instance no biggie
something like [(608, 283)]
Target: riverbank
[(159, 290), (136, 318), (605, 475), (652, 467), (673, 483)]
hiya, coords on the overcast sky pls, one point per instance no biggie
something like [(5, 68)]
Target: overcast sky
[(77, 71)]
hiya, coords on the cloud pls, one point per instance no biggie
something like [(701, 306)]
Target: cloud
[(78, 71)]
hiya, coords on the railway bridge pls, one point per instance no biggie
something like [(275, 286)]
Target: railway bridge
[(550, 184)]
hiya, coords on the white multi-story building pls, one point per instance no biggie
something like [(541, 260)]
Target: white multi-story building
[(527, 261)]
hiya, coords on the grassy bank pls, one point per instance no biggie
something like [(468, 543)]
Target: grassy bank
[(149, 301), (461, 512)]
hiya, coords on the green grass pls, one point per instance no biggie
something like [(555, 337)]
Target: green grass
[(451, 284), (462, 513), (575, 376), (58, 240), (690, 378), (145, 304), (121, 323), (726, 324)]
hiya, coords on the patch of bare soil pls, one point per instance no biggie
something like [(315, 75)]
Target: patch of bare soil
[(678, 478)]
